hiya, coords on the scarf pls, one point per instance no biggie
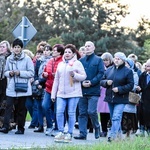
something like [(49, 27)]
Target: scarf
[(17, 56)]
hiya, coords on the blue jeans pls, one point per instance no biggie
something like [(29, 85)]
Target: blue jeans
[(31, 106), (87, 107), (116, 111), (71, 104), (46, 105)]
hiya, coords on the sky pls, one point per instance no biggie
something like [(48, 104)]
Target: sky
[(137, 8)]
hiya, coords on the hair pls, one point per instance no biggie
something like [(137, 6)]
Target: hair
[(133, 57), (39, 51), (29, 53), (17, 42), (42, 43), (107, 56), (7, 44), (47, 46), (60, 48), (73, 49), (82, 48)]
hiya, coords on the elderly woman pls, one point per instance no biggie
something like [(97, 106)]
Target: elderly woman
[(118, 81), (19, 69)]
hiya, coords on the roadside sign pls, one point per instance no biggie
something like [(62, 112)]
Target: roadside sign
[(24, 30)]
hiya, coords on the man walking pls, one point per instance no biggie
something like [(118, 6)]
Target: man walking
[(94, 68)]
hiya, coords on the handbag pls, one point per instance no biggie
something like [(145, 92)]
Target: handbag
[(21, 87), (134, 98), (36, 92)]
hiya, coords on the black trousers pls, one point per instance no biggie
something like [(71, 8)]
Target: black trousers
[(20, 110), (104, 118)]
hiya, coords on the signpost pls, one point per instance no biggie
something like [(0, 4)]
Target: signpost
[(24, 30)]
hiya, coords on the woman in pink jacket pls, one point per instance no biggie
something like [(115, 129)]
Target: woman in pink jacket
[(66, 91)]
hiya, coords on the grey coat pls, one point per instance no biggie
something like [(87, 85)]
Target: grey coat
[(26, 68)]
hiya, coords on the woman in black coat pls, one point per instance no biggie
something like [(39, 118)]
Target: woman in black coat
[(118, 81), (144, 88)]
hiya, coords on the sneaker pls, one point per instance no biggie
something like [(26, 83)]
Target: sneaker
[(59, 137), (48, 131), (68, 138), (109, 139), (54, 133), (140, 133)]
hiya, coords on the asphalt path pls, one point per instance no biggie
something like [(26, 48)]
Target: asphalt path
[(31, 139)]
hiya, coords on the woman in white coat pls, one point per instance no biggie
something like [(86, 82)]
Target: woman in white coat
[(67, 91)]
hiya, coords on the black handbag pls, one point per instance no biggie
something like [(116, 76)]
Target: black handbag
[(36, 92), (21, 87)]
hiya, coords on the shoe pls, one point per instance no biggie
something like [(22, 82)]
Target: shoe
[(90, 130), (140, 133), (48, 131), (59, 137), (31, 127), (54, 133), (103, 134), (124, 132), (68, 138), (4, 130), (80, 137), (19, 132), (109, 139), (40, 129), (76, 125), (97, 133)]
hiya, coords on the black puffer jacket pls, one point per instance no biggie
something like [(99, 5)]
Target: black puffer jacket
[(123, 79)]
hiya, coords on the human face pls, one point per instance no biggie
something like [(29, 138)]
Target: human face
[(17, 49), (147, 66), (3, 48), (55, 53), (118, 61), (68, 54), (106, 62), (38, 55), (89, 48), (46, 52)]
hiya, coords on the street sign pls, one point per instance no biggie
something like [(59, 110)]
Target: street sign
[(24, 30)]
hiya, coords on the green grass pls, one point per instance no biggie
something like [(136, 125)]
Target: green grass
[(28, 117), (137, 143)]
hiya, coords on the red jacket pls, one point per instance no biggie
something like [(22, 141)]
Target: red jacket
[(50, 68)]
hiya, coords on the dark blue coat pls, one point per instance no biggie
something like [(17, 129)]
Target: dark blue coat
[(94, 69), (123, 79)]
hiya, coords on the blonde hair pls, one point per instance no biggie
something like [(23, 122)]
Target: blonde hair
[(7, 44), (29, 53), (42, 43)]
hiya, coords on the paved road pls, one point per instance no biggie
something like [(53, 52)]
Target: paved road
[(40, 140)]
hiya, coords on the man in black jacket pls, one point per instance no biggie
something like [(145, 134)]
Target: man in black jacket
[(94, 68)]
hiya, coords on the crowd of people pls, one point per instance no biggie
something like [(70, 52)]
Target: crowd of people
[(75, 87)]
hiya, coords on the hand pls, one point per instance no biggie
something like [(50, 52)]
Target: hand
[(86, 83), (39, 86), (115, 89), (11, 73), (109, 82), (53, 99), (17, 72), (138, 88), (31, 80), (45, 74), (36, 82), (71, 73)]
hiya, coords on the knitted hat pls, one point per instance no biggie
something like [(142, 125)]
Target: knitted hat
[(120, 55), (130, 62)]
